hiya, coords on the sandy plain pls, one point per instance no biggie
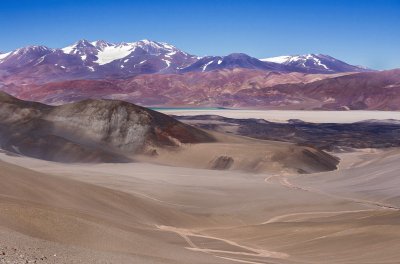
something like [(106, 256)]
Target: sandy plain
[(146, 213)]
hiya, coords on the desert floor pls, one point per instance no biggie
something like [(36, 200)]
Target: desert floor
[(144, 213)]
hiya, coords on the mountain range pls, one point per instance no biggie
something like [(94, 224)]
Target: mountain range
[(153, 73), (101, 60)]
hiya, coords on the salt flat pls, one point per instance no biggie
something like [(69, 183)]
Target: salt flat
[(285, 115)]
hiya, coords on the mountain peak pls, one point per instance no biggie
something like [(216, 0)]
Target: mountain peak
[(155, 46), (148, 41), (101, 44), (33, 48), (237, 56), (314, 63), (83, 43), (79, 47)]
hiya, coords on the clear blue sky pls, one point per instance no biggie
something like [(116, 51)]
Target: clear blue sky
[(364, 32)]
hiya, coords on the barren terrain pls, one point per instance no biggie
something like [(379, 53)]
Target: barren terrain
[(198, 196), (143, 213)]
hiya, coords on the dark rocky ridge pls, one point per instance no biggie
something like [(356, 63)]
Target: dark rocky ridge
[(88, 131), (326, 136)]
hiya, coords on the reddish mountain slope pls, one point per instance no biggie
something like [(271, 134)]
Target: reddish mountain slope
[(194, 88), (231, 88)]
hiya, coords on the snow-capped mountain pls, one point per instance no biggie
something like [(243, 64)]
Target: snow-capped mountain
[(24, 56), (231, 61), (315, 63), (104, 60), (92, 60), (130, 55)]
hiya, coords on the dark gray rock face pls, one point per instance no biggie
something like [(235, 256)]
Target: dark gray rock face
[(326, 136)]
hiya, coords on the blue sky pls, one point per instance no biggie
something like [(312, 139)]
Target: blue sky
[(363, 32)]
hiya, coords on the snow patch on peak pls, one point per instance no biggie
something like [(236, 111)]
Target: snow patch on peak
[(77, 47), (4, 55), (101, 44), (206, 65), (170, 54), (146, 41), (108, 52), (68, 50), (278, 59), (112, 53), (302, 59), (318, 61), (155, 48), (167, 62)]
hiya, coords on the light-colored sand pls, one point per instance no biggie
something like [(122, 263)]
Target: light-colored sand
[(372, 176), (144, 213), (283, 116), (244, 154)]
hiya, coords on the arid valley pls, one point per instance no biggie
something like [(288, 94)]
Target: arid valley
[(232, 199)]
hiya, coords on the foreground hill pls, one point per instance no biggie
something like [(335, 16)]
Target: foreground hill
[(91, 130)]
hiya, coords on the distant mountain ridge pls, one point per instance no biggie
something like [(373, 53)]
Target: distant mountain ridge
[(234, 88), (316, 63), (104, 60)]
